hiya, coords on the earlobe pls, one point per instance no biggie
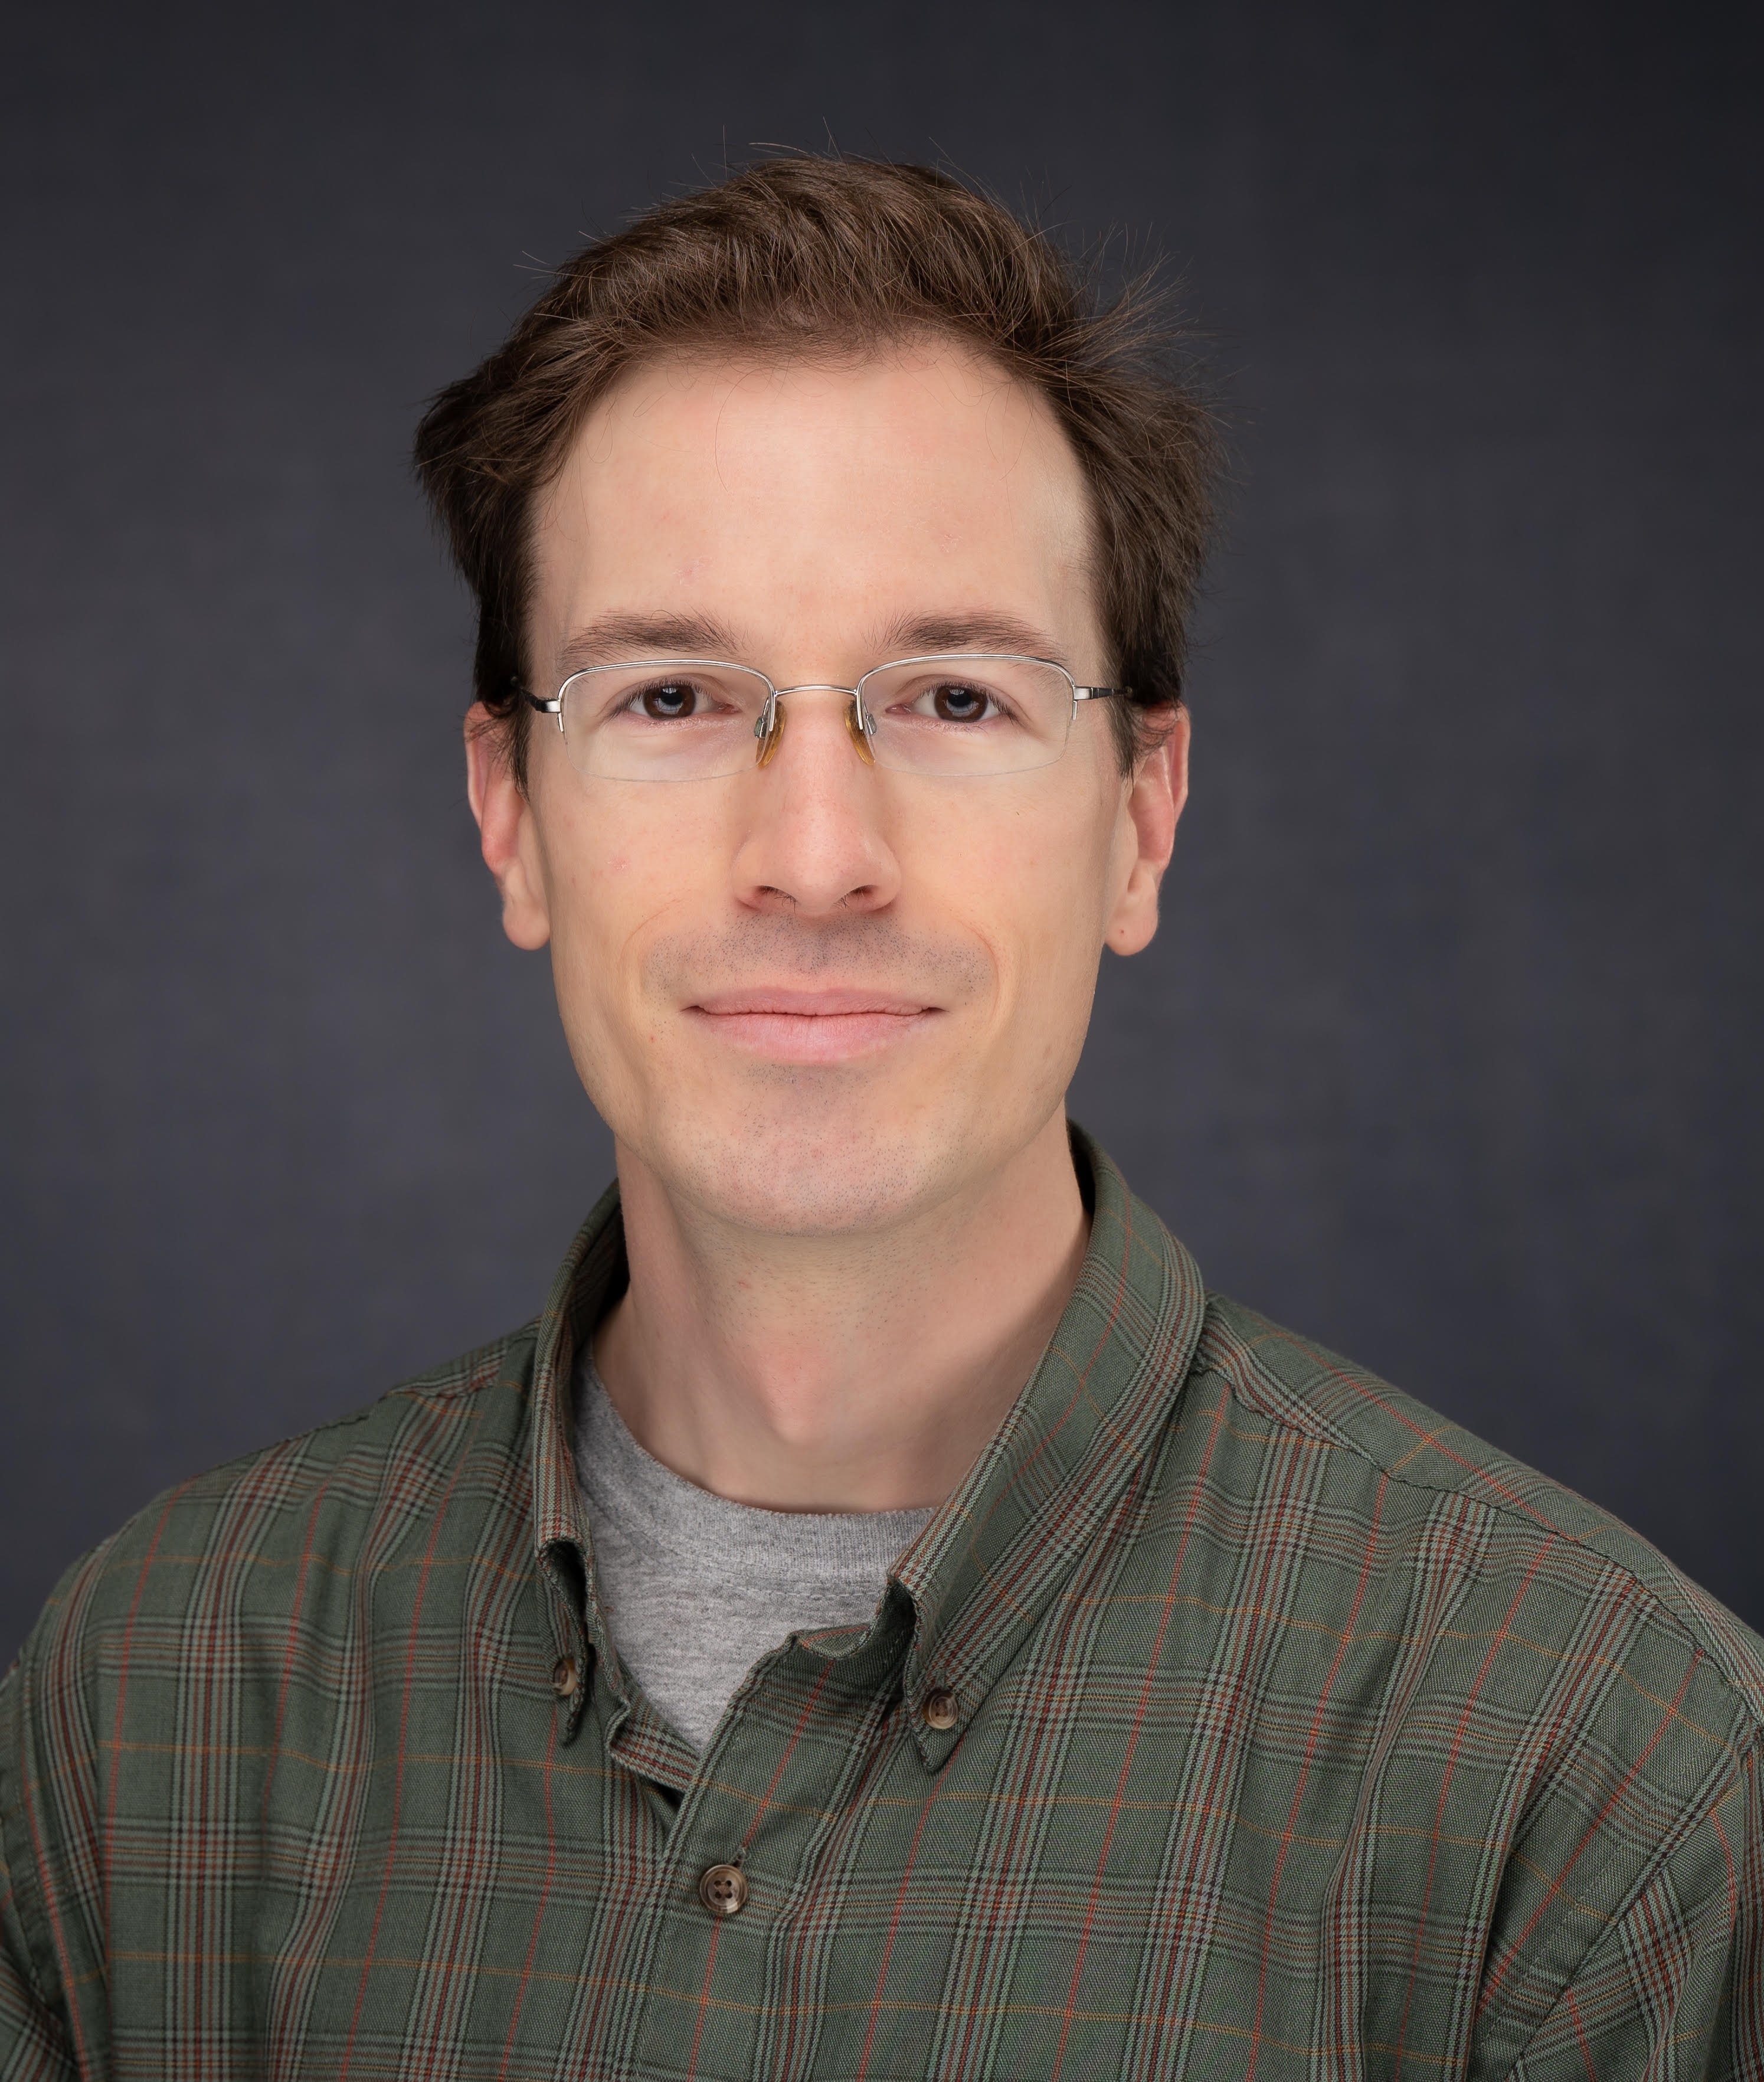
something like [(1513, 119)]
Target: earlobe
[(505, 829)]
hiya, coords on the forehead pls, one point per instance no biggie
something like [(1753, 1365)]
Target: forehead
[(847, 495)]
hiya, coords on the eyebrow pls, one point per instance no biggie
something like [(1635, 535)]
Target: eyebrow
[(617, 639), (916, 635), (622, 638)]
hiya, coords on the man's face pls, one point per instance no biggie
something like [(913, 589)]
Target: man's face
[(821, 998)]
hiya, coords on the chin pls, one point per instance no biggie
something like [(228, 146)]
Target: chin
[(791, 1176)]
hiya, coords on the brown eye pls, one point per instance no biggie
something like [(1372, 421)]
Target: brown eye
[(952, 702), (670, 701)]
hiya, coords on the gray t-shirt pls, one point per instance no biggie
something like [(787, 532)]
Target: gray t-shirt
[(697, 1589)]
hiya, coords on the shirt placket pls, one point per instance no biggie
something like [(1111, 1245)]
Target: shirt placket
[(745, 1855)]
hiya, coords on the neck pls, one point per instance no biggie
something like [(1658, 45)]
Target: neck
[(848, 1373)]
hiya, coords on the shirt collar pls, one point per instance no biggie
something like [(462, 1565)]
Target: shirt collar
[(982, 1571), (590, 1279)]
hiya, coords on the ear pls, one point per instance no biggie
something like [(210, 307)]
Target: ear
[(1155, 800), (505, 830)]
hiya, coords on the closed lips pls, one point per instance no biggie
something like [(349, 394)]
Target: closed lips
[(812, 1026), (808, 1004)]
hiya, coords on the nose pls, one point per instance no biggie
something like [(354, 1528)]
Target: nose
[(813, 843)]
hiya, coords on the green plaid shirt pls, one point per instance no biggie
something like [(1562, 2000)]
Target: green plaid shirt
[(1236, 1718)]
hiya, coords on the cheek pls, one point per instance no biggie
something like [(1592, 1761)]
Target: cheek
[(613, 870), (1031, 886)]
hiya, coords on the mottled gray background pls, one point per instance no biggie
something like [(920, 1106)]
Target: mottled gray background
[(1448, 1052)]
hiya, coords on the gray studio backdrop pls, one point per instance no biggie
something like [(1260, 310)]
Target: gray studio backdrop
[(1447, 1054)]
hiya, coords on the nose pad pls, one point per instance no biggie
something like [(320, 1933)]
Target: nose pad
[(769, 731)]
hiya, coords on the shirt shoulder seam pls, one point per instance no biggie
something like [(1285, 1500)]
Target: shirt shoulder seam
[(1213, 1355)]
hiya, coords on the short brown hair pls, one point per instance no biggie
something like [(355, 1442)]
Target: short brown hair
[(805, 255)]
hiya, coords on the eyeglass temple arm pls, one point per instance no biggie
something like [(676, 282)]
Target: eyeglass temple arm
[(1099, 693), (553, 707)]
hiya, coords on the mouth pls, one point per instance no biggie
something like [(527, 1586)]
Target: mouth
[(798, 1025)]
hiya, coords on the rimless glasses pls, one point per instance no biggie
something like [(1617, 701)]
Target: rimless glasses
[(960, 714)]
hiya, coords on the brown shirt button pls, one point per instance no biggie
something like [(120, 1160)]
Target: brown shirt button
[(941, 1710), (565, 1677), (722, 1889)]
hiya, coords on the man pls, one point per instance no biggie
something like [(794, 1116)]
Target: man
[(741, 1671)]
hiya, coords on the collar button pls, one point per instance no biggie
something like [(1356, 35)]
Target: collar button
[(941, 1708), (565, 1677)]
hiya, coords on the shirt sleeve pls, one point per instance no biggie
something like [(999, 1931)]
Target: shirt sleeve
[(1673, 1988), (33, 2045), (33, 2037)]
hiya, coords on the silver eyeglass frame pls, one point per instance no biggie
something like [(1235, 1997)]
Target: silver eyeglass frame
[(768, 730)]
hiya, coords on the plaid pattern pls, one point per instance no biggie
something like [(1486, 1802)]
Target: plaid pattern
[(1297, 1734)]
